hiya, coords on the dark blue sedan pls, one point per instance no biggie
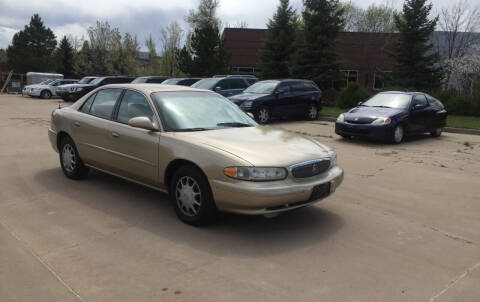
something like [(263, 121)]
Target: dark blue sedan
[(391, 115), (280, 98)]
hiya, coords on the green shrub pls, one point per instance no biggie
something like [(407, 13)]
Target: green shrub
[(459, 103), (329, 97), (351, 95)]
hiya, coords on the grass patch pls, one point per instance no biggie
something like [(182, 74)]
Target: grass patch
[(461, 121), (331, 111), (457, 121)]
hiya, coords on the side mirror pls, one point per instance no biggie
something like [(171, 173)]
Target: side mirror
[(251, 115), (418, 107), (142, 122), (359, 103), (218, 88)]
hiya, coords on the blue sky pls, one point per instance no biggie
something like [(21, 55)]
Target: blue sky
[(140, 17)]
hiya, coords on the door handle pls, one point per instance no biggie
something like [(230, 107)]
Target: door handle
[(76, 124), (115, 134)]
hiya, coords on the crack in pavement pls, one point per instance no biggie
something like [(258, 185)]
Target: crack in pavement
[(455, 281), (43, 262), (452, 236)]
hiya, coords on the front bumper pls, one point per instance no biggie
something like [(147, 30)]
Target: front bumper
[(382, 132), (32, 92), (261, 198), (70, 96)]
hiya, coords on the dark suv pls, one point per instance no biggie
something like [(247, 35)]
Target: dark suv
[(181, 81), (280, 98), (226, 85), (82, 89)]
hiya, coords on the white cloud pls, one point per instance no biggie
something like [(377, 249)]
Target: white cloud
[(6, 35), (73, 29)]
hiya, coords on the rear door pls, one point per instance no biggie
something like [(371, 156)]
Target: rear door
[(91, 127), (300, 98), (134, 150)]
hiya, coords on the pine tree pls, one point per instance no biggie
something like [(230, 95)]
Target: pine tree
[(32, 48), (316, 57), (205, 53), (64, 56), (83, 62), (416, 62), (278, 48)]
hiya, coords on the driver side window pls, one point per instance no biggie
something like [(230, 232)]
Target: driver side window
[(420, 99), (133, 105), (284, 88)]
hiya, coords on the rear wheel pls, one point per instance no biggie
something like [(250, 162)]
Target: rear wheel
[(262, 115), (70, 161), (398, 134), (312, 112), (192, 197), (45, 94), (437, 132)]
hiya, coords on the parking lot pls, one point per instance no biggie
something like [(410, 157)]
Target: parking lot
[(404, 226)]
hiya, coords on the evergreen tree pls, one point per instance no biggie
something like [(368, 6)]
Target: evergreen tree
[(32, 48), (316, 56), (416, 62), (204, 54), (278, 48), (83, 62), (64, 56)]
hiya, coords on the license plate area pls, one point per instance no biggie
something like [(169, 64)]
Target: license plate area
[(320, 191)]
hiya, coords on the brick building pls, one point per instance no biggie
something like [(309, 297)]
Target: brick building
[(364, 56)]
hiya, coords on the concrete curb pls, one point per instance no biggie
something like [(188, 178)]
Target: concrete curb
[(446, 129)]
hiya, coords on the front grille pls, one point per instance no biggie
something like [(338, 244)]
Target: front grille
[(310, 169), (360, 121)]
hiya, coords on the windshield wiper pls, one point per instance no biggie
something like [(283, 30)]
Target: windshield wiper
[(382, 106), (233, 124), (191, 129)]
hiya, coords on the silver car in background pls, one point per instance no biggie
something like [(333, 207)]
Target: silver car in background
[(46, 90)]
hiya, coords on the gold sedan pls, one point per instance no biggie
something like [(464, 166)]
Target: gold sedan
[(195, 145)]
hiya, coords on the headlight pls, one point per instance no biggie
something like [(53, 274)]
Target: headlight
[(333, 158), (78, 89), (341, 118), (256, 174), (382, 121)]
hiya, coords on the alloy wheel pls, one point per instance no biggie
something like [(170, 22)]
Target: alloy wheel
[(398, 134), (68, 158), (188, 196), (263, 115), (312, 112)]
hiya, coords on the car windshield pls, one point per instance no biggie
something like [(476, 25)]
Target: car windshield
[(206, 83), (97, 81), (85, 80), (46, 82), (139, 80), (262, 87), (198, 111), (389, 100), (171, 81), (54, 82)]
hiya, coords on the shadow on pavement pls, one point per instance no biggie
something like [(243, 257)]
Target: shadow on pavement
[(235, 235)]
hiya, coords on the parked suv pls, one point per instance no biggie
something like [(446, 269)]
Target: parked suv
[(82, 89), (153, 80), (49, 89), (280, 98), (226, 85), (63, 90)]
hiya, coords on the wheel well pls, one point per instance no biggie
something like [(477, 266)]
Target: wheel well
[(45, 90), (60, 136), (174, 166)]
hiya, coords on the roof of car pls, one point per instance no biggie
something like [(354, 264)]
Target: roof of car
[(149, 88), (402, 92)]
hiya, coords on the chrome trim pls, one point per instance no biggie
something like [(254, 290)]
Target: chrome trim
[(313, 161), (128, 179)]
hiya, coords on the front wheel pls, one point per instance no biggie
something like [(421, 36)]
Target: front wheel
[(72, 165), (192, 197), (312, 112), (437, 132), (262, 115), (46, 94), (398, 134)]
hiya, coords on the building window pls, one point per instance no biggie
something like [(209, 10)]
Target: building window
[(349, 77), (381, 79)]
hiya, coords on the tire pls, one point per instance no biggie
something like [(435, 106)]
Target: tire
[(398, 134), (45, 94), (192, 197), (437, 132), (262, 115), (312, 112), (70, 161), (346, 136)]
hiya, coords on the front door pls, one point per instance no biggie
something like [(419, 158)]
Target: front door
[(420, 114), (134, 150)]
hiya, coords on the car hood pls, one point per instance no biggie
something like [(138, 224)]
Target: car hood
[(262, 146), (369, 114), (67, 86), (247, 97)]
